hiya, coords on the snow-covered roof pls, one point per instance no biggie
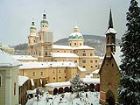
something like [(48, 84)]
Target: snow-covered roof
[(67, 55), (22, 80), (91, 80), (31, 91), (6, 60), (81, 68), (117, 55), (58, 84), (28, 65), (95, 71), (61, 47), (82, 47), (111, 30), (71, 48), (24, 57)]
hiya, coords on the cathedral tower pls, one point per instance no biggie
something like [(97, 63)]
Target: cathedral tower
[(44, 23), (45, 41), (32, 39), (76, 38), (110, 37)]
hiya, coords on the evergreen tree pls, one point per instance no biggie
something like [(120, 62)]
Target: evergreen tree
[(129, 91), (77, 85)]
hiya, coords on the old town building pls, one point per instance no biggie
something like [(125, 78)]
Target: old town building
[(40, 46), (109, 71)]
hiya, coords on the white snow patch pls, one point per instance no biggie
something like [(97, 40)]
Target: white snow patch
[(67, 55), (22, 80)]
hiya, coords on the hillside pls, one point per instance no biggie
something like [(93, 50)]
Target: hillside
[(98, 42)]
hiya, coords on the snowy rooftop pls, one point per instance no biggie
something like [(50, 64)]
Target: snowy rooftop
[(64, 55), (58, 84), (111, 30), (91, 80), (117, 55), (22, 80), (72, 48), (24, 57), (81, 68), (65, 84), (27, 65), (6, 60), (95, 71)]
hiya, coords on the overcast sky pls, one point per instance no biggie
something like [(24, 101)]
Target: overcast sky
[(90, 15)]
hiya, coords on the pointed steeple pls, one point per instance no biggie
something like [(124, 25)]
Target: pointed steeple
[(110, 23)]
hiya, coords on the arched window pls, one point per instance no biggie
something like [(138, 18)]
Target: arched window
[(0, 80)]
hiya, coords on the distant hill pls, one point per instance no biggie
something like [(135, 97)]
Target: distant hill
[(98, 42)]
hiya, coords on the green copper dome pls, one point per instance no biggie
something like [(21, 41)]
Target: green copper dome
[(76, 35), (44, 21)]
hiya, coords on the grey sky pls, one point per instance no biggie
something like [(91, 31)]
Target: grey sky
[(90, 15)]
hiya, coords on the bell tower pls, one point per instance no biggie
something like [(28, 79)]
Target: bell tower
[(44, 23), (45, 41), (32, 39), (110, 37)]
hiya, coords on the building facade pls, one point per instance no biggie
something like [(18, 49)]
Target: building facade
[(109, 71), (40, 46), (8, 80)]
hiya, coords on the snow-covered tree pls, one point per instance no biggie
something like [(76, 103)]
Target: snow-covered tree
[(129, 91), (77, 84)]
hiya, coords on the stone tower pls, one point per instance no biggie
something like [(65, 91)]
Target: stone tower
[(76, 38), (32, 39), (110, 37), (45, 41), (109, 71)]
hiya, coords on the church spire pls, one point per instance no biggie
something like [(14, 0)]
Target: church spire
[(110, 23)]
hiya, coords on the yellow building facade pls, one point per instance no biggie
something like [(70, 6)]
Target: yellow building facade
[(40, 46), (51, 71)]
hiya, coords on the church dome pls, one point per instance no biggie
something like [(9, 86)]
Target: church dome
[(76, 34)]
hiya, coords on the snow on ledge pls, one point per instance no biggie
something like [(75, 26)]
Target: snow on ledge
[(22, 80)]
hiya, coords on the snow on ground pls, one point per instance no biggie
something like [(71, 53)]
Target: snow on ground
[(87, 98)]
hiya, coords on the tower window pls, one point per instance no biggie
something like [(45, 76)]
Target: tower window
[(0, 80), (41, 73), (84, 61), (84, 54), (91, 66), (95, 61), (91, 61), (91, 54), (107, 39), (112, 65), (14, 88), (83, 66), (70, 44), (33, 73), (59, 77), (74, 43)]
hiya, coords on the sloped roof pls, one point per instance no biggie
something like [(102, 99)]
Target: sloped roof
[(117, 55), (72, 48), (67, 55), (28, 65), (22, 80), (7, 61)]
